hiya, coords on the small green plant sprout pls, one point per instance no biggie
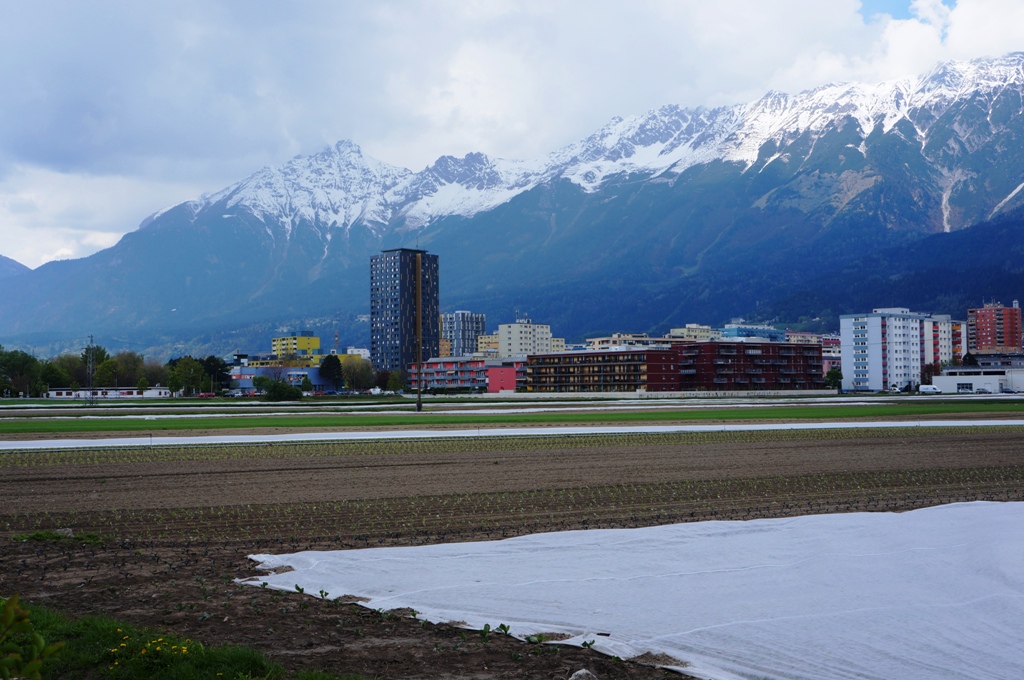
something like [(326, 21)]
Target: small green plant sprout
[(299, 589), (323, 594), (588, 644), (22, 648), (485, 632), (536, 639), (503, 628)]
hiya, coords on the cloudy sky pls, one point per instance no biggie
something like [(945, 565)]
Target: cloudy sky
[(112, 110)]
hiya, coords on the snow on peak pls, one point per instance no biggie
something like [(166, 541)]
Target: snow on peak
[(335, 187), (340, 186)]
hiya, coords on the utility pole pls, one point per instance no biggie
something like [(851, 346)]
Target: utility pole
[(90, 367)]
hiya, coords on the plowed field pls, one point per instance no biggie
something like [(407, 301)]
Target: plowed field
[(174, 525)]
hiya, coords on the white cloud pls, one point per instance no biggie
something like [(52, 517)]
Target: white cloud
[(143, 102), (47, 215)]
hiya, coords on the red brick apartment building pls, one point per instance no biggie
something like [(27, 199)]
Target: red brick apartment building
[(733, 366), (698, 366), (994, 328)]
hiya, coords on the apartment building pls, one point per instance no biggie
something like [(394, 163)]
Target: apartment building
[(693, 366), (404, 308), (626, 370), (461, 329), (525, 337), (696, 332), (733, 366), (994, 328), (887, 348)]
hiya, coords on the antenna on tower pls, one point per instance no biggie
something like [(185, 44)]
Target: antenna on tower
[(335, 342)]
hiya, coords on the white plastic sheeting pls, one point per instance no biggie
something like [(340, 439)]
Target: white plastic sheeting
[(933, 593), (36, 444)]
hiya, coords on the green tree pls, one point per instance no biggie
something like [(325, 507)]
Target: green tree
[(358, 373), (331, 370), (189, 372), (130, 367), (261, 382), (106, 374), (834, 378), (72, 365), (99, 355), (307, 384), (20, 370), (142, 385), (54, 375), (396, 381), (155, 372), (218, 370)]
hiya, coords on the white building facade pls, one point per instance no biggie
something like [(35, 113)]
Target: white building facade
[(525, 337), (887, 348)]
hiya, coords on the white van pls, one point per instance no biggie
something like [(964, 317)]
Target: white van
[(929, 389)]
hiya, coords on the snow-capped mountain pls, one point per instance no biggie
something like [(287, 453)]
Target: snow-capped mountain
[(341, 186), (663, 207)]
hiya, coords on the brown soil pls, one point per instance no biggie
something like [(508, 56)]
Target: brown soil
[(179, 523)]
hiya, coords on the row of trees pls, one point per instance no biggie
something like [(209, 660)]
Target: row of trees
[(23, 374)]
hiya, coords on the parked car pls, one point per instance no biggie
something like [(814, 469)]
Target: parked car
[(982, 390), (929, 389), (1009, 390)]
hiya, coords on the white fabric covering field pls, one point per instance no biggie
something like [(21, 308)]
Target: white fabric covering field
[(933, 593)]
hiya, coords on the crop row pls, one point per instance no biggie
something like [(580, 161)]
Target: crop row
[(178, 453), (491, 515)]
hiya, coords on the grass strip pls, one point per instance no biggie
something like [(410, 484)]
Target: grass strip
[(101, 647), (828, 412)]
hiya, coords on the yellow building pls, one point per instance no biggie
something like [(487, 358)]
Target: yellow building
[(696, 332), (488, 342), (301, 345)]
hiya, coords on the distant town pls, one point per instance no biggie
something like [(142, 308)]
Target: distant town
[(415, 348)]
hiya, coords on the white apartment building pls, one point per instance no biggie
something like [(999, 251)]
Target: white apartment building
[(525, 337), (887, 348), (943, 339)]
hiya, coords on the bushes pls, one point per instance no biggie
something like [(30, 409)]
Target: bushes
[(22, 648), (277, 390)]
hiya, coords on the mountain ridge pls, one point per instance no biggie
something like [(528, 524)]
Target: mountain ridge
[(10, 267), (686, 206)]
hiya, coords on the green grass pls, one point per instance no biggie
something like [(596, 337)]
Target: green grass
[(54, 537), (908, 409), (100, 647)]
